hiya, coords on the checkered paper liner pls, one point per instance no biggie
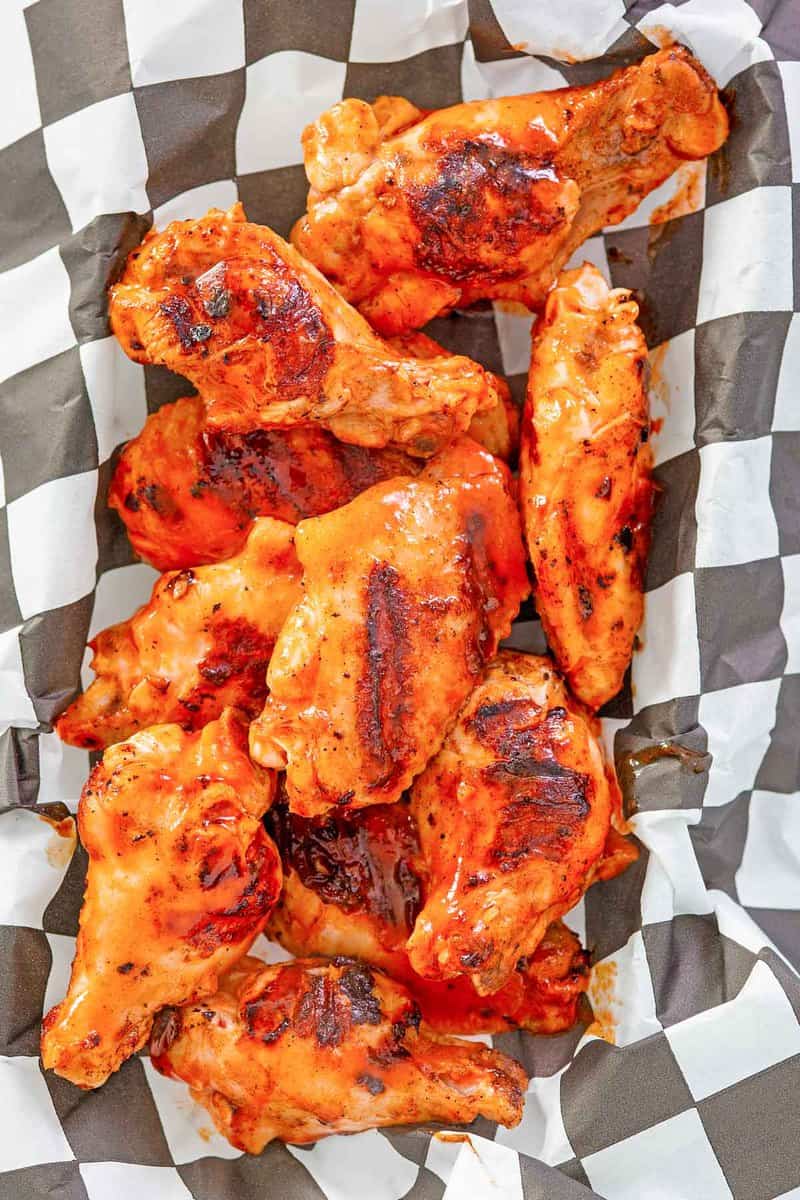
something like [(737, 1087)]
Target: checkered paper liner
[(119, 112)]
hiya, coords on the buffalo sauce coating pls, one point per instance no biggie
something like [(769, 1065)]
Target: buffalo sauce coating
[(353, 884)]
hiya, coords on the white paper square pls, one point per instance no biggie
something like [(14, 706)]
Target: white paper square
[(770, 868), (130, 1181), (62, 952), (40, 286), (687, 185), (35, 861), (196, 202), (16, 706), (116, 393), (575, 919), (97, 159), (541, 1133), (674, 883), (118, 595), (63, 770), (787, 394), (675, 1157), (568, 30), (19, 100), (738, 722), (672, 397), (506, 77), (747, 255), (31, 1130), (668, 663), (183, 39), (790, 615), (732, 1041), (622, 996), (484, 1170), (188, 1128), (593, 251), (363, 1167), (53, 543), (514, 335), (735, 521), (790, 77), (284, 93), (393, 32), (722, 33)]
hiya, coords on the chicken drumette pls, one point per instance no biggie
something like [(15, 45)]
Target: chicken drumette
[(182, 877), (203, 642), (585, 479), (490, 198), (309, 1048), (407, 592), (269, 342), (353, 885), (515, 821)]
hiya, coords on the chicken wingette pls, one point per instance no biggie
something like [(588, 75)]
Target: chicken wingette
[(585, 486), (410, 214), (182, 876), (407, 592), (516, 818), (309, 1048), (270, 343), (202, 643)]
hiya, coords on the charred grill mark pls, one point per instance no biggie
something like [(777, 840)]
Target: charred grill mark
[(483, 195), (382, 692), (478, 591), (357, 982), (585, 602), (260, 886), (288, 316), (166, 1028), (318, 1012), (371, 1082), (178, 312), (241, 656)]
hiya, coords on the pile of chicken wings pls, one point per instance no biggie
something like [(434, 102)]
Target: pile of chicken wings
[(312, 729)]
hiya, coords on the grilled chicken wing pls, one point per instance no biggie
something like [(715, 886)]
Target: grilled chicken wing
[(352, 885), (309, 1048), (514, 815), (203, 642), (585, 479), (490, 199), (188, 493), (182, 876), (269, 342), (407, 592)]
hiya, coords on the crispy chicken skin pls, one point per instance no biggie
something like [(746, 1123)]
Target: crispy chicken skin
[(202, 643), (514, 816), (182, 876), (305, 1049), (188, 493), (407, 592), (489, 199), (586, 487), (269, 342), (352, 886)]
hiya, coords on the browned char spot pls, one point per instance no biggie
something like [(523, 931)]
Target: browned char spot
[(382, 692)]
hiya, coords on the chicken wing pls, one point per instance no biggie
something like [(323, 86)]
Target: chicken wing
[(182, 876), (489, 199), (407, 592), (352, 885), (305, 1049), (514, 815), (269, 342), (188, 494), (202, 643), (585, 479)]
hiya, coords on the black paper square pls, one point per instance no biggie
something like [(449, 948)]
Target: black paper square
[(287, 25), (780, 768), (46, 424), (693, 966), (24, 968), (634, 1087), (272, 1173), (61, 914), (781, 29), (661, 264), (757, 152), (718, 843), (80, 53), (189, 131), (613, 909), (674, 530), (737, 404), (738, 623), (665, 783), (275, 198), (10, 614), (51, 679), (488, 37), (52, 1179), (430, 80), (113, 545), (754, 1128), (784, 490), (32, 214), (94, 258)]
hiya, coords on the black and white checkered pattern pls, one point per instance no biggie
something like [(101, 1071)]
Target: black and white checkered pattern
[(117, 113)]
